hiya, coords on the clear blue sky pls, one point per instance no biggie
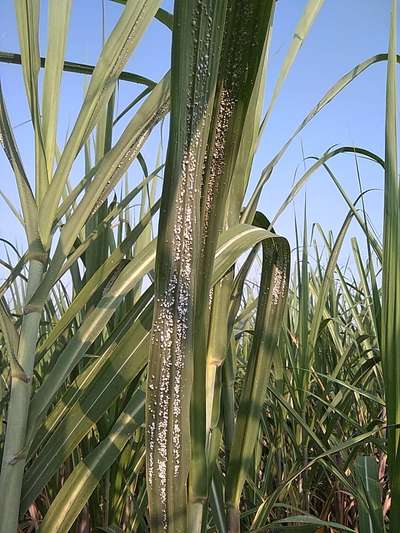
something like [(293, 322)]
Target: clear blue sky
[(345, 33)]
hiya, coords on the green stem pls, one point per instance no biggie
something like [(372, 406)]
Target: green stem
[(14, 455)]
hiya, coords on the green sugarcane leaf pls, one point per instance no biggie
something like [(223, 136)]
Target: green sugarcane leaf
[(89, 330), (366, 474), (103, 275), (87, 474), (196, 45), (78, 68), (90, 397), (116, 51), (300, 33), (87, 399), (58, 23), (271, 305), (162, 15), (321, 161), (325, 100), (27, 14), (237, 100), (304, 519), (109, 171), (391, 277)]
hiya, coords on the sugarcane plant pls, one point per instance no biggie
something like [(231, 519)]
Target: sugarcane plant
[(147, 382)]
